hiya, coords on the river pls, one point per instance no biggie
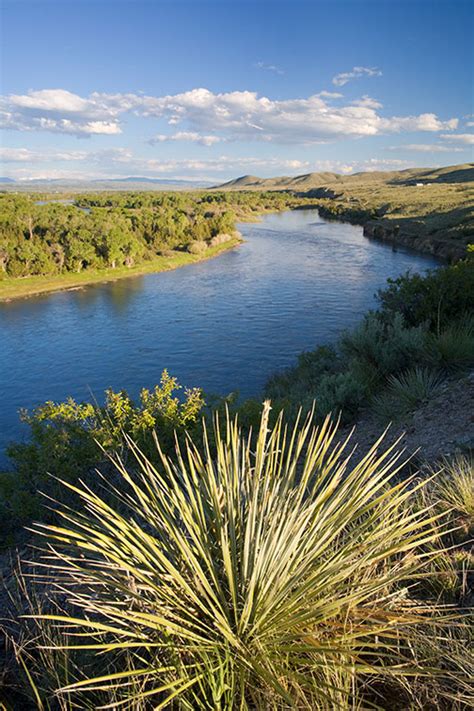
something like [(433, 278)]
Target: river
[(225, 324)]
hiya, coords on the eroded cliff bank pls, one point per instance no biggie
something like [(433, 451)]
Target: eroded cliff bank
[(393, 234)]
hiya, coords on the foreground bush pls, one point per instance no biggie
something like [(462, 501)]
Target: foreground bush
[(437, 298), (275, 573), (69, 439)]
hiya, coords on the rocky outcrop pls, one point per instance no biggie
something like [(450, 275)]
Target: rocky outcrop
[(385, 231)]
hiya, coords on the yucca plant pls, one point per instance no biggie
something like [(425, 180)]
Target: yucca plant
[(404, 392), (270, 571), (454, 489), (449, 574)]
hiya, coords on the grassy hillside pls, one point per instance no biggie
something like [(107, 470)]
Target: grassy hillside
[(308, 181)]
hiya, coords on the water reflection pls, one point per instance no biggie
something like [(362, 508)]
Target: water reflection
[(116, 296)]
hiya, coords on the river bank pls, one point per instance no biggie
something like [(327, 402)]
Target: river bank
[(413, 237), (387, 230), (21, 288)]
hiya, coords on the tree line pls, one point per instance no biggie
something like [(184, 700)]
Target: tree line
[(110, 230)]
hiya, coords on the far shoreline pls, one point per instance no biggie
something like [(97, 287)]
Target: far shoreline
[(24, 288)]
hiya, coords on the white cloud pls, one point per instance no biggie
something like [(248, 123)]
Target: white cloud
[(19, 122), (423, 122), (243, 115), (355, 73), (191, 136), (58, 111), (368, 102), (206, 117), (330, 95), (426, 148), (121, 162), (269, 67), (467, 138), (375, 164), (51, 100), (25, 155), (217, 165)]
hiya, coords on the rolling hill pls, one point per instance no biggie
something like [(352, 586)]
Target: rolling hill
[(311, 181)]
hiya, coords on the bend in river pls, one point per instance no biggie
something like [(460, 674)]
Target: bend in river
[(225, 324)]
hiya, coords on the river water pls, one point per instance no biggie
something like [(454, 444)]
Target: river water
[(225, 324)]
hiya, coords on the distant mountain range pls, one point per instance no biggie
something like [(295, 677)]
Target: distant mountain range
[(314, 181), (130, 183), (156, 181)]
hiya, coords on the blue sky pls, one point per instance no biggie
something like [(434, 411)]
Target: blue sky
[(212, 90)]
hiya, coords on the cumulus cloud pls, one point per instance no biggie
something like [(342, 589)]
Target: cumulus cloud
[(206, 117), (355, 73), (467, 138), (374, 164), (52, 100), (368, 102), (58, 111), (243, 115), (423, 122)]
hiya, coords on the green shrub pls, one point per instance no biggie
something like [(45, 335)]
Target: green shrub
[(384, 346), (197, 247), (437, 298), (340, 393), (279, 575), (70, 439), (423, 321), (301, 381), (453, 348)]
